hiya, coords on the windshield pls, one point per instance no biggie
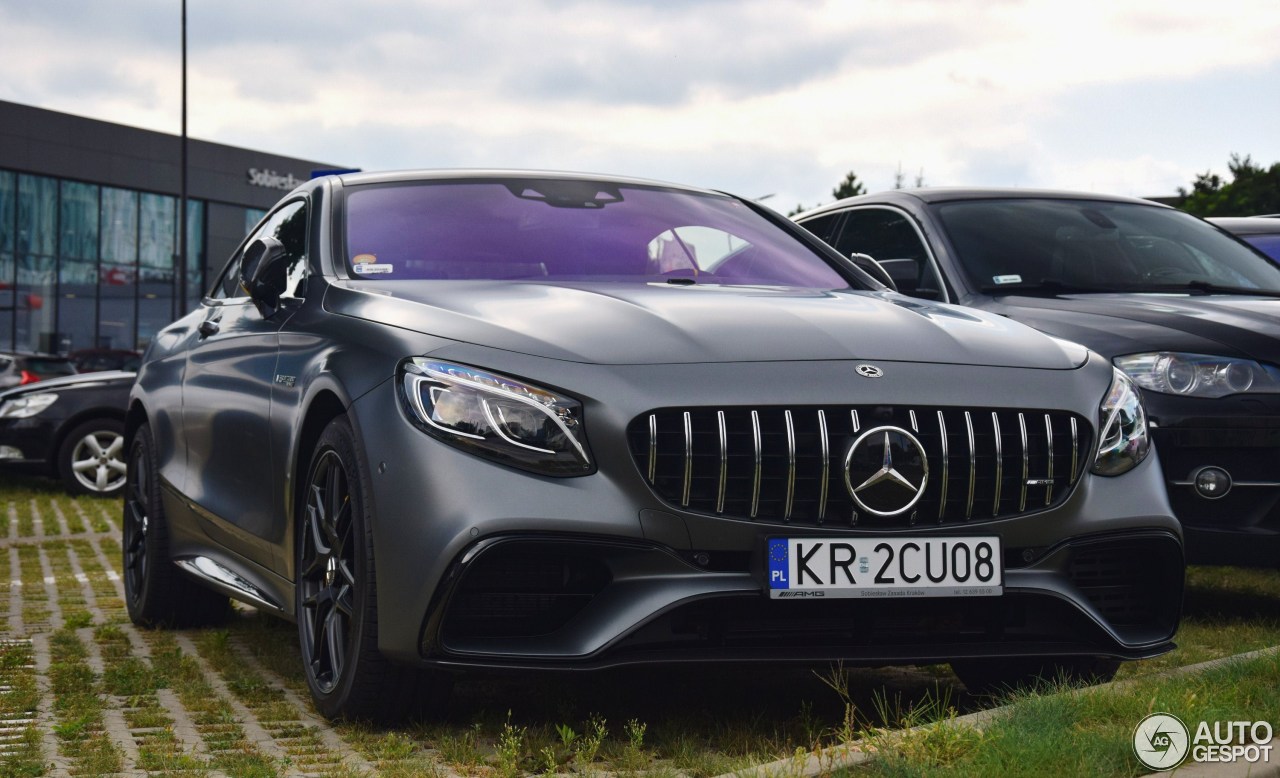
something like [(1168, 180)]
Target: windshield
[(569, 230), (1097, 246)]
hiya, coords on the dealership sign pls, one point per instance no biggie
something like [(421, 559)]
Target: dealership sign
[(270, 179)]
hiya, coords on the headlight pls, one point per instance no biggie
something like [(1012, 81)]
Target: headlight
[(1123, 421), (1197, 375), (27, 405), (496, 417)]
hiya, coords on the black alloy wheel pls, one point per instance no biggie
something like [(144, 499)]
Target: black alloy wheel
[(326, 573), (336, 596), (156, 593), (136, 522)]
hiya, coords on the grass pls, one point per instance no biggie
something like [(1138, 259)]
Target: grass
[(695, 722), (1085, 733)]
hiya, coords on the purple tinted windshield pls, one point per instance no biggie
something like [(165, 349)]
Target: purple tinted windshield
[(552, 229)]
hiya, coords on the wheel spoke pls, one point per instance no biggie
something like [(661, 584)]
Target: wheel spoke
[(343, 601), (337, 638), (118, 466), (322, 548), (84, 465), (102, 478), (90, 442), (114, 448)]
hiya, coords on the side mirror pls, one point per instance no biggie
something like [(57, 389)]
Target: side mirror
[(866, 263), (262, 274)]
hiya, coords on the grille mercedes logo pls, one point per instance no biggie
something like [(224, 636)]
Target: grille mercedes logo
[(886, 471), (868, 371)]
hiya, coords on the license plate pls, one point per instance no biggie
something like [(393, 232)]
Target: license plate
[(885, 567)]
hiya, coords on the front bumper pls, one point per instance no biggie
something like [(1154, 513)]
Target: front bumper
[(658, 583), (1241, 435), (29, 443), (529, 601)]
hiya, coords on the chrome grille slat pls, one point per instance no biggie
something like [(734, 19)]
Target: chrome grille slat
[(1048, 489), (946, 466), (973, 466), (791, 465), (1075, 449), (1026, 462), (787, 464), (688, 458), (995, 423), (724, 461), (653, 445), (755, 439), (826, 465)]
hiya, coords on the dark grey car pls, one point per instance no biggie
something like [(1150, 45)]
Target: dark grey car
[(1190, 313), (518, 420)]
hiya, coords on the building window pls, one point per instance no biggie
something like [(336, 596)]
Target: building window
[(8, 268), (118, 274), (156, 276), (86, 266), (78, 266), (37, 241)]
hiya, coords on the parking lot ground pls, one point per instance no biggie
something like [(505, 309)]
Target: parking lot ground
[(84, 692)]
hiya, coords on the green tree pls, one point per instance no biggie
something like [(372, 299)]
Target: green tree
[(1252, 189), (849, 187)]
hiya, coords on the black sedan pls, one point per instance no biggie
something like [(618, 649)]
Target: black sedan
[(1191, 314), (70, 428), (534, 421)]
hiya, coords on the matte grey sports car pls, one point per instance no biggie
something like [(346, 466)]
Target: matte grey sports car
[(532, 420)]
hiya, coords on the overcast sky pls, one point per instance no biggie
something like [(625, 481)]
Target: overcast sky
[(757, 97)]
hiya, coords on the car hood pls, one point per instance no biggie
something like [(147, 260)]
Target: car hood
[(662, 323), (78, 381), (1114, 324)]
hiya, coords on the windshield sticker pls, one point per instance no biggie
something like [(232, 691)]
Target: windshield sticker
[(368, 265), (1007, 279)]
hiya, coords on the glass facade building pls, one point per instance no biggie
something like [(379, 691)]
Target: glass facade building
[(90, 266), (90, 227)]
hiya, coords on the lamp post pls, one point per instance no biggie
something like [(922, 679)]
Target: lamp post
[(182, 206)]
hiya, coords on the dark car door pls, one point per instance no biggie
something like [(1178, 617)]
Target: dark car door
[(226, 405), (893, 239)]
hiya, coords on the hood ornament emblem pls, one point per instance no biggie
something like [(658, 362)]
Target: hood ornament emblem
[(868, 371)]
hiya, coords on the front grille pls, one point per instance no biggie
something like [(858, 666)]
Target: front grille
[(788, 464)]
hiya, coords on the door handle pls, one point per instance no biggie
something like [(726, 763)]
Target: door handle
[(209, 327)]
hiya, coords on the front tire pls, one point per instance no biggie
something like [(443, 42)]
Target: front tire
[(997, 676), (91, 459), (155, 592), (336, 593)]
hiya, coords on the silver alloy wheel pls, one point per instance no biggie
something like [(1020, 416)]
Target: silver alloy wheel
[(96, 461)]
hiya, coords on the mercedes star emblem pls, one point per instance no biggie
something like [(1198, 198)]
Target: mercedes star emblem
[(868, 371), (886, 471)]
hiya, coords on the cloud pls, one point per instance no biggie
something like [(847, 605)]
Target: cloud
[(750, 95)]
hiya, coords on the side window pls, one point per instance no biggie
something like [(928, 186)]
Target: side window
[(893, 241), (287, 225), (824, 226)]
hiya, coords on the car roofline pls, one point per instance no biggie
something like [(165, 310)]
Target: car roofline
[(945, 194), (481, 174)]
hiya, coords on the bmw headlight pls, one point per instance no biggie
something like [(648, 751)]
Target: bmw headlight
[(1197, 375), (496, 416), (1124, 442), (27, 405)]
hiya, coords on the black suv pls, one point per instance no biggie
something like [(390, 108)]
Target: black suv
[(1190, 313)]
